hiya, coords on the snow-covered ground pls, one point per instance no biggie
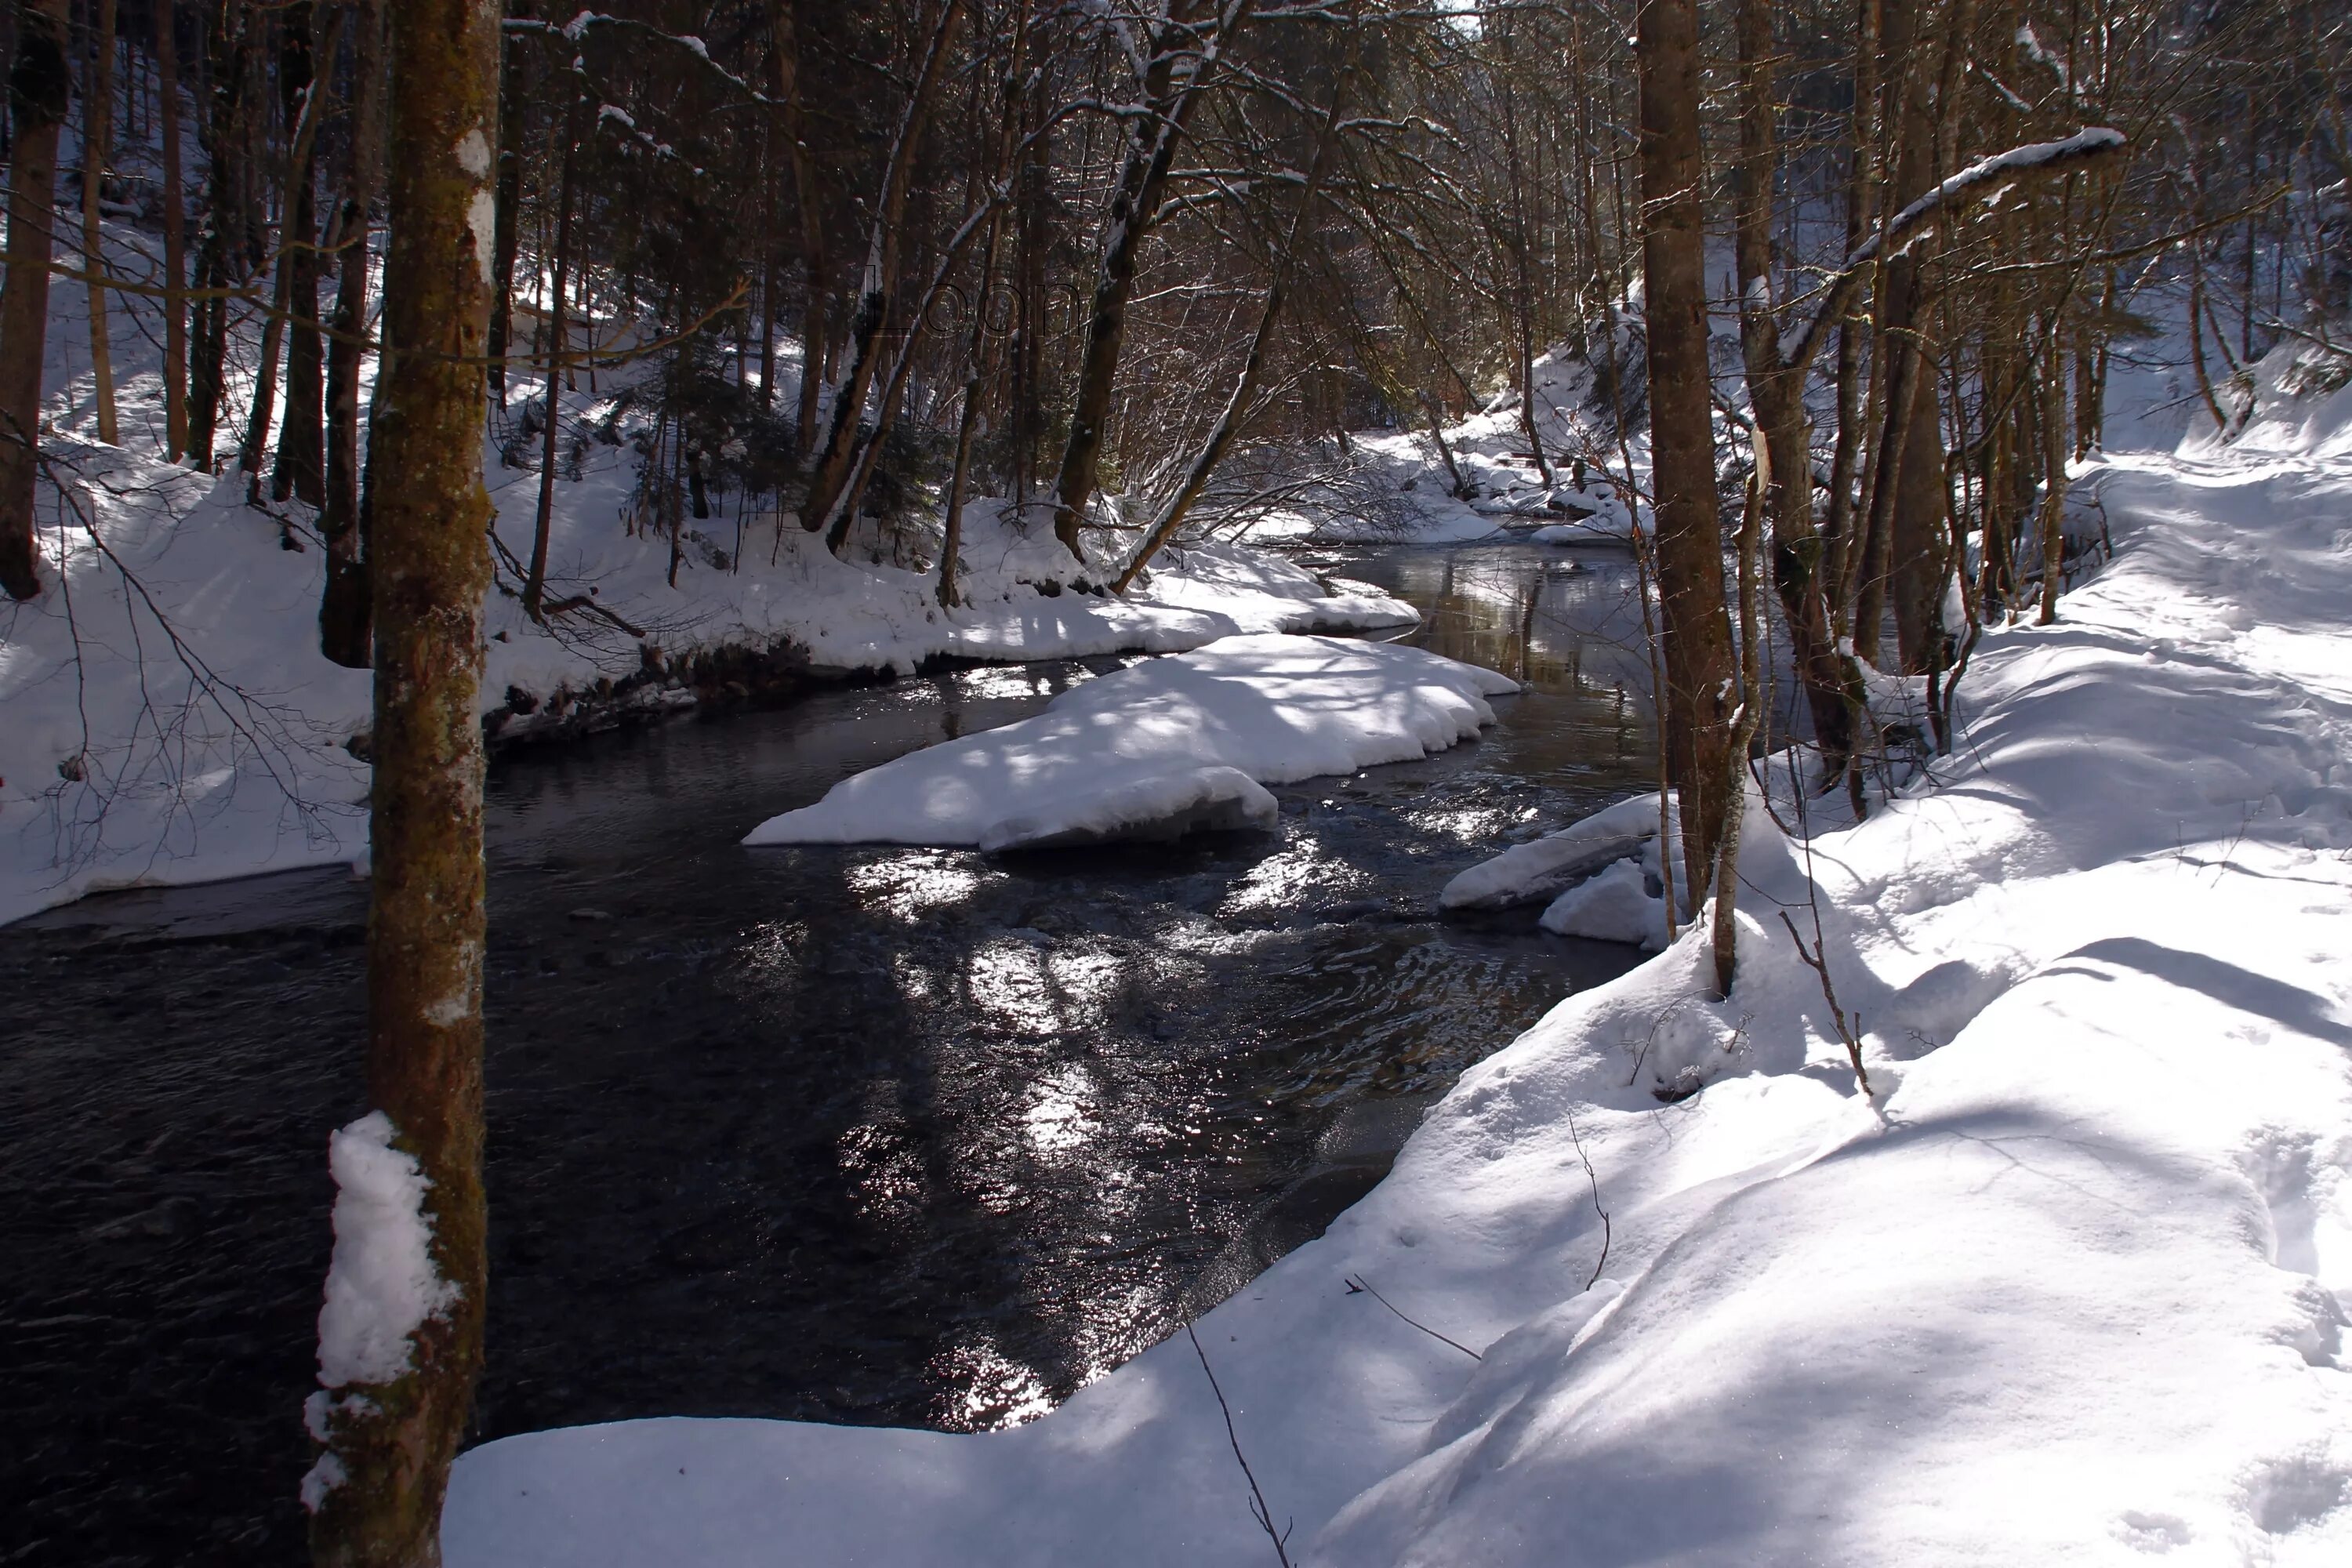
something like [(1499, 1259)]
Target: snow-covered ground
[(2069, 1286), (170, 717), (1163, 748)]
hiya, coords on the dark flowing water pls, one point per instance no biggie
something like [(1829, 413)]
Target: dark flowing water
[(857, 1134)]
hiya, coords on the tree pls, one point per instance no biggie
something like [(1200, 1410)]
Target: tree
[(176, 310), (388, 1443), (97, 118), (343, 630), (1701, 675), (1184, 53), (39, 92)]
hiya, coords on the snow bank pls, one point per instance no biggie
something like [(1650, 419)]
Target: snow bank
[(2071, 1286), (170, 717), (1165, 746)]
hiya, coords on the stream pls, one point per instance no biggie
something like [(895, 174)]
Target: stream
[(866, 1134)]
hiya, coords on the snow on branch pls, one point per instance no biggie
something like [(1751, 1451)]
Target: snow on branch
[(577, 29), (1979, 179)]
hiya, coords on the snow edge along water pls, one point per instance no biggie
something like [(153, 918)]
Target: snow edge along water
[(2070, 1285)]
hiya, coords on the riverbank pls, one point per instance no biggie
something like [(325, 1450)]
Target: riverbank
[(2070, 1283), (912, 1137), (171, 720)]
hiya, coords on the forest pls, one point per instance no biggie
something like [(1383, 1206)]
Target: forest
[(1623, 726)]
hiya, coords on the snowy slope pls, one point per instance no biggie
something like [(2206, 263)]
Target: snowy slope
[(2072, 1287), (169, 717)]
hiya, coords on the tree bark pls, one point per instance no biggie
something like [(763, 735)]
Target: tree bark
[(1701, 672), (97, 125), (344, 633), (175, 261), (388, 1452), (39, 93)]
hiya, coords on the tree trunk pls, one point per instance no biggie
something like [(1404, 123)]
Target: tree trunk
[(97, 125), (977, 351), (175, 264), (507, 238), (344, 633), (227, 37), (300, 467), (1237, 406), (2054, 474), (1777, 391), (1701, 673), (1920, 539), (829, 478), (1134, 207), (388, 1441), (784, 55), (534, 585), (39, 90)]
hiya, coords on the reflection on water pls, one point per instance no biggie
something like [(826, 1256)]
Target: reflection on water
[(868, 1134)]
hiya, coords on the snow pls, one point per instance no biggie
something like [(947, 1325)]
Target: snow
[(1614, 905), (1161, 747), (170, 717), (2069, 1286), (382, 1284), (1542, 868)]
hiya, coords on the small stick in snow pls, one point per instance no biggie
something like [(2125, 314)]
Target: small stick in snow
[(1258, 1510), (1594, 1177), (1815, 959), (1356, 1283)]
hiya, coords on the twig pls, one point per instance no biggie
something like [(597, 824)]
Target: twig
[(1357, 1282), (1816, 960), (1258, 1510), (1594, 1177)]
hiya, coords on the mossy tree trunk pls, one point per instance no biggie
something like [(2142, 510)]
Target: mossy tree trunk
[(430, 566)]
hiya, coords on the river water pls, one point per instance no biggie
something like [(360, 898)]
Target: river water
[(864, 1135)]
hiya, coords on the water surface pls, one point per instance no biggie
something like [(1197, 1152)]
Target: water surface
[(863, 1134)]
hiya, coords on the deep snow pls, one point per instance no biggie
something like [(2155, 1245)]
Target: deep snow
[(2070, 1285)]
